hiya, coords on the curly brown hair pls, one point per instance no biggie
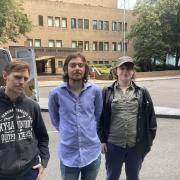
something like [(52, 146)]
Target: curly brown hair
[(66, 62)]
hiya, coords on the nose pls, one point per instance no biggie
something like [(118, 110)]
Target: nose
[(22, 81)]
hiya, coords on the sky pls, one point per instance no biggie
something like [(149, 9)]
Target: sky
[(129, 4)]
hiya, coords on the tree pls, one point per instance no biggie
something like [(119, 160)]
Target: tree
[(13, 23), (155, 33)]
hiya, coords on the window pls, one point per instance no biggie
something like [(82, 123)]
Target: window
[(64, 22), (80, 23), (114, 26), (114, 48), (86, 23), (50, 21), (30, 42), (60, 64), (94, 48), (95, 62), (106, 62), (100, 25), (59, 43), (100, 46), (119, 26), (86, 45), (100, 62), (40, 20), (119, 46), (80, 44), (106, 25), (51, 43), (73, 23), (106, 46), (125, 46), (57, 22), (95, 24), (125, 27), (74, 44), (37, 43)]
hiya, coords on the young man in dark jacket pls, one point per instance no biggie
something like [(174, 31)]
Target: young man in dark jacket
[(24, 140), (127, 126)]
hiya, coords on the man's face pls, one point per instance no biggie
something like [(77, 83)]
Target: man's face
[(15, 81), (76, 69), (125, 72)]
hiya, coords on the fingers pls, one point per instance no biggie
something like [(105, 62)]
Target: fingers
[(40, 170), (104, 148), (36, 166)]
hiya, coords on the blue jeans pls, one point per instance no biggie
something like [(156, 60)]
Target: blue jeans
[(88, 172), (30, 175), (116, 156)]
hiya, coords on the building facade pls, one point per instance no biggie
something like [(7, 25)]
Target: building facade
[(95, 27)]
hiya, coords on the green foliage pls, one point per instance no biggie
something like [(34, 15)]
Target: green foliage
[(156, 32), (104, 69), (13, 22)]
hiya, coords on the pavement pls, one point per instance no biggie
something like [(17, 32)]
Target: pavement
[(161, 112)]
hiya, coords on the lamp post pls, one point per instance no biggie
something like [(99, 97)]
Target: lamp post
[(124, 33)]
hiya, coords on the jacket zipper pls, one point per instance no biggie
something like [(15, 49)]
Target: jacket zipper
[(16, 132)]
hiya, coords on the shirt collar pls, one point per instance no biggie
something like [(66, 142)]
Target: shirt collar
[(86, 86), (131, 86)]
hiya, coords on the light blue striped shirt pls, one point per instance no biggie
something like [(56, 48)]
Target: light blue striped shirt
[(75, 119)]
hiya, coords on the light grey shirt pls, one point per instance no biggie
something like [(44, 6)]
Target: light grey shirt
[(123, 117)]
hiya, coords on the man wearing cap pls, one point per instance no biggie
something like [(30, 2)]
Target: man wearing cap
[(128, 125)]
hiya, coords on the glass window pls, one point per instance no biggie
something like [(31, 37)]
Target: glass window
[(73, 23), (119, 26), (114, 46), (37, 43), (114, 26), (95, 47), (106, 62), (100, 46), (51, 43), (86, 45), (50, 21), (59, 43), (119, 46), (74, 44), (80, 23), (57, 21), (125, 27), (40, 20), (64, 22), (106, 46), (106, 25), (86, 23), (95, 24), (100, 25), (126, 47), (60, 64), (30, 42), (80, 44)]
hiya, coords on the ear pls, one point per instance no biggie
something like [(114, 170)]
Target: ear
[(5, 75)]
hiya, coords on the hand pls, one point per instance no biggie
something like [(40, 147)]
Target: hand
[(103, 148), (40, 170)]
